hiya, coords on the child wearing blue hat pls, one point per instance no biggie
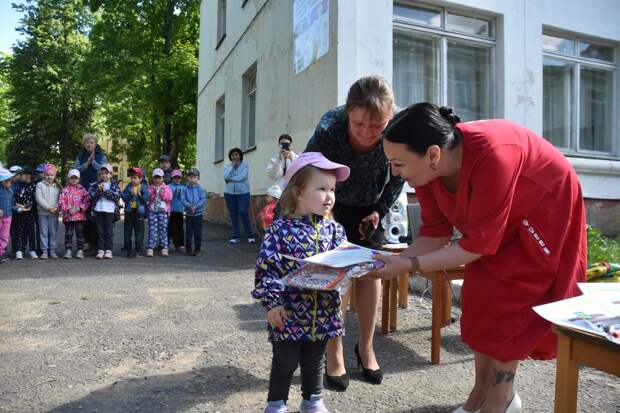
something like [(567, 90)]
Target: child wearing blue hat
[(6, 210)]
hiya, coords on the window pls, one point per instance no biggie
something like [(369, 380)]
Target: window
[(578, 98), (220, 122), (249, 109), (445, 58), (221, 22)]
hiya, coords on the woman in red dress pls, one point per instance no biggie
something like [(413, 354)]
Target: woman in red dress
[(517, 201)]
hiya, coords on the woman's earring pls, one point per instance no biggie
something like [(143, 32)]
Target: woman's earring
[(433, 166)]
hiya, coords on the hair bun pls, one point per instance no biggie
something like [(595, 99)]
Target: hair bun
[(449, 115)]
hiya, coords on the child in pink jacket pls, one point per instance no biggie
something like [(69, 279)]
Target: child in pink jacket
[(160, 200), (73, 203)]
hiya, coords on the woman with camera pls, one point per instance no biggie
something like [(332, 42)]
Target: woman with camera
[(278, 164)]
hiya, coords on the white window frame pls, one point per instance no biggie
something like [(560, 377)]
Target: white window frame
[(248, 128), (220, 129), (577, 62), (405, 26), (221, 22)]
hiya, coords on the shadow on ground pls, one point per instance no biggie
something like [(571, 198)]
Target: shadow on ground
[(431, 409), (169, 393)]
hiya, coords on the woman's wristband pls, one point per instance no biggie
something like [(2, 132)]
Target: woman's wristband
[(415, 265)]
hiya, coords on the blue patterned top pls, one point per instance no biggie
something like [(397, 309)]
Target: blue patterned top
[(371, 181), (313, 315)]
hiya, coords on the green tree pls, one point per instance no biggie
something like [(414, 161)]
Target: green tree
[(5, 111), (47, 95), (143, 68)]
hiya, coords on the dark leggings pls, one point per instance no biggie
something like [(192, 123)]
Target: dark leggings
[(25, 231), (308, 355), (76, 227), (175, 228)]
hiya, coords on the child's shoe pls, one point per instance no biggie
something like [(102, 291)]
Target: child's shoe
[(149, 252), (107, 255), (68, 254), (19, 255), (196, 252), (33, 255), (79, 254), (4, 257), (131, 253), (234, 241), (43, 255), (100, 254), (251, 240), (182, 249), (138, 254), (276, 407), (53, 255), (314, 405), (164, 252)]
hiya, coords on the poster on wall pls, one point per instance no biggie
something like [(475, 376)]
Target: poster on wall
[(310, 32)]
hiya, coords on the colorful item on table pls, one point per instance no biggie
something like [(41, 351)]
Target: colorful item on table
[(603, 272)]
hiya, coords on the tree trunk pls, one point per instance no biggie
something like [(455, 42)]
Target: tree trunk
[(168, 85)]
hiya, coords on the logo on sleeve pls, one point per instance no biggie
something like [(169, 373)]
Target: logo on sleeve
[(534, 234)]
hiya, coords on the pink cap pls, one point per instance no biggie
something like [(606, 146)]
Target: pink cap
[(176, 173), (50, 168), (317, 160)]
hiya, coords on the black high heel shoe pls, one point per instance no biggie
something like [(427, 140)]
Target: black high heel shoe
[(372, 376), (338, 383)]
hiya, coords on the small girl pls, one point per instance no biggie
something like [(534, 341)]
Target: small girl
[(300, 321), (47, 194), (6, 210), (175, 227), (160, 198), (104, 194), (135, 195), (73, 204), (24, 215), (266, 214)]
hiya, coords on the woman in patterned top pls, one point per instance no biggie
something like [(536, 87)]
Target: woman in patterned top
[(300, 321), (351, 135)]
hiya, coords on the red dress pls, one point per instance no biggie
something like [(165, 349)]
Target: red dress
[(518, 204)]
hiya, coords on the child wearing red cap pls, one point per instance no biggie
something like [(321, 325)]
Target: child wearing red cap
[(135, 196)]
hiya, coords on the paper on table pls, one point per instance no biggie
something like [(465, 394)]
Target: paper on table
[(342, 256), (607, 294), (582, 313)]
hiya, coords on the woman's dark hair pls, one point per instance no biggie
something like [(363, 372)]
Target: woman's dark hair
[(285, 136), (233, 150), (422, 125)]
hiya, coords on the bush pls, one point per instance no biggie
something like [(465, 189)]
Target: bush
[(601, 248)]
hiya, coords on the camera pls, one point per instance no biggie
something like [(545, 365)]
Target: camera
[(285, 146)]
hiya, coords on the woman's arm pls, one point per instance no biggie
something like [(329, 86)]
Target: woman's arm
[(428, 255)]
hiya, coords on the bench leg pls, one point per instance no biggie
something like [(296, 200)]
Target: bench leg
[(403, 291), (393, 303), (438, 294), (385, 307)]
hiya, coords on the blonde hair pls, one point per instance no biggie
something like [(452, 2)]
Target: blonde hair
[(288, 199), (372, 93)]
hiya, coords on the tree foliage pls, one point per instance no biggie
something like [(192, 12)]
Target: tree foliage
[(143, 65), (126, 69), (47, 96)]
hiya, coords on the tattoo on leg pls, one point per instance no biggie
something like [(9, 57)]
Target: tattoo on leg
[(503, 376)]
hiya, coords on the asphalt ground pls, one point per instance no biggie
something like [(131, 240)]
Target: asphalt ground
[(182, 334)]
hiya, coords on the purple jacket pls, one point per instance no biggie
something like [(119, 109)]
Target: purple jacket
[(313, 315)]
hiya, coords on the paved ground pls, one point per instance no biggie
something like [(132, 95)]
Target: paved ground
[(183, 335)]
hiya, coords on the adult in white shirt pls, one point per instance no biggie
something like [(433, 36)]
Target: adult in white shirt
[(278, 164)]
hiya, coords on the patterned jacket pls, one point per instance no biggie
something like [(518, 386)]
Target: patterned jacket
[(165, 195), (26, 197), (371, 181), (113, 194), (73, 196), (313, 315)]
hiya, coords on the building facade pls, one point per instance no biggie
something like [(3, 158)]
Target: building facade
[(269, 67)]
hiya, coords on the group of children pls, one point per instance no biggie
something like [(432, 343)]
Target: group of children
[(31, 203)]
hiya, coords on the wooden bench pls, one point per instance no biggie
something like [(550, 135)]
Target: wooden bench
[(396, 292)]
